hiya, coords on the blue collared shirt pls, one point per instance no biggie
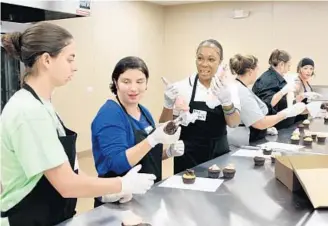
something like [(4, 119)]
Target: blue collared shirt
[(112, 134)]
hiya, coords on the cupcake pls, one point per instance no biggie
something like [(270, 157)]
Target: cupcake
[(321, 138), (229, 171), (259, 160), (301, 127), (189, 176), (296, 132), (273, 158), (267, 151), (326, 119), (214, 171), (307, 141), (314, 136), (170, 128), (306, 123), (324, 106), (295, 139), (307, 134)]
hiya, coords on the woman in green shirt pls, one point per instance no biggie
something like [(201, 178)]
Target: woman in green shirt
[(39, 175)]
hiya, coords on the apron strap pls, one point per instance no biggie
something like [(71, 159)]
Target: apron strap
[(31, 90), (304, 85), (129, 117), (193, 94)]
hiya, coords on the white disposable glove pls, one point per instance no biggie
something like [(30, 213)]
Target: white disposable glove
[(221, 90), (289, 87), (272, 131), (312, 95), (186, 118), (120, 197), (170, 94), (294, 110), (137, 183), (176, 149), (126, 198), (160, 137), (220, 87)]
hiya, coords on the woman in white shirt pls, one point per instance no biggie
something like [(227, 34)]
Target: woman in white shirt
[(39, 170), (253, 112), (207, 137)]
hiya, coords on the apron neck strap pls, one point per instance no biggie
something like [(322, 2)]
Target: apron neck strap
[(141, 110), (31, 90), (193, 94), (304, 85), (241, 82)]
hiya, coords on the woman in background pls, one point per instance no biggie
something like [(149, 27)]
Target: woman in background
[(271, 87), (123, 131), (207, 137), (304, 91), (253, 111)]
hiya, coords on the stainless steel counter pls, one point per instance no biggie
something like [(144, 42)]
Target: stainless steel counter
[(252, 198)]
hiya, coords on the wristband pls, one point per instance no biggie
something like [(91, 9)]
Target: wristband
[(229, 112)]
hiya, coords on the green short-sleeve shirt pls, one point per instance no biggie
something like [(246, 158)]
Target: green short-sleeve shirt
[(29, 146)]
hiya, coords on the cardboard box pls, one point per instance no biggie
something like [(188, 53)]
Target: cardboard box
[(308, 171), (285, 174)]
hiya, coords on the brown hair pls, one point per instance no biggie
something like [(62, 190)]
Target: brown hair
[(212, 43), (40, 38), (239, 65), (278, 56)]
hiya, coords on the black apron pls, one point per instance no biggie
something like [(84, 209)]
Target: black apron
[(299, 118), (151, 162), (44, 206), (204, 140)]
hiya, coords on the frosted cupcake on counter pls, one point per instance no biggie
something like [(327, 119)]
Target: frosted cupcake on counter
[(214, 171)]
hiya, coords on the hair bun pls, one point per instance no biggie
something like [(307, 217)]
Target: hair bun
[(12, 44)]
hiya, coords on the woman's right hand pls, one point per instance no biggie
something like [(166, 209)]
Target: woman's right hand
[(137, 183), (294, 110), (170, 94)]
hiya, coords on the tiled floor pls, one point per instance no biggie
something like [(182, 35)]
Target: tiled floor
[(87, 165)]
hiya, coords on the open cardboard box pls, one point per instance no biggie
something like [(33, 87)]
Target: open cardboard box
[(307, 171)]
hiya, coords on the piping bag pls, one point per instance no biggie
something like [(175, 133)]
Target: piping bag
[(185, 117)]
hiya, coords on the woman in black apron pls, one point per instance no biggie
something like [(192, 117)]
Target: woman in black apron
[(44, 191), (305, 70), (134, 139), (207, 137)]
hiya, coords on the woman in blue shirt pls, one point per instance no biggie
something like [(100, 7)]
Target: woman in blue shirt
[(123, 131)]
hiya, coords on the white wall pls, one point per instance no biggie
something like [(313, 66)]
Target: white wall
[(114, 30), (301, 28), (167, 38)]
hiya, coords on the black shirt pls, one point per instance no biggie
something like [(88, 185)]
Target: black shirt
[(265, 87)]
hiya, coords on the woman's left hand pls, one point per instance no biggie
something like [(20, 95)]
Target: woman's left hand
[(119, 197), (176, 149), (221, 90)]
